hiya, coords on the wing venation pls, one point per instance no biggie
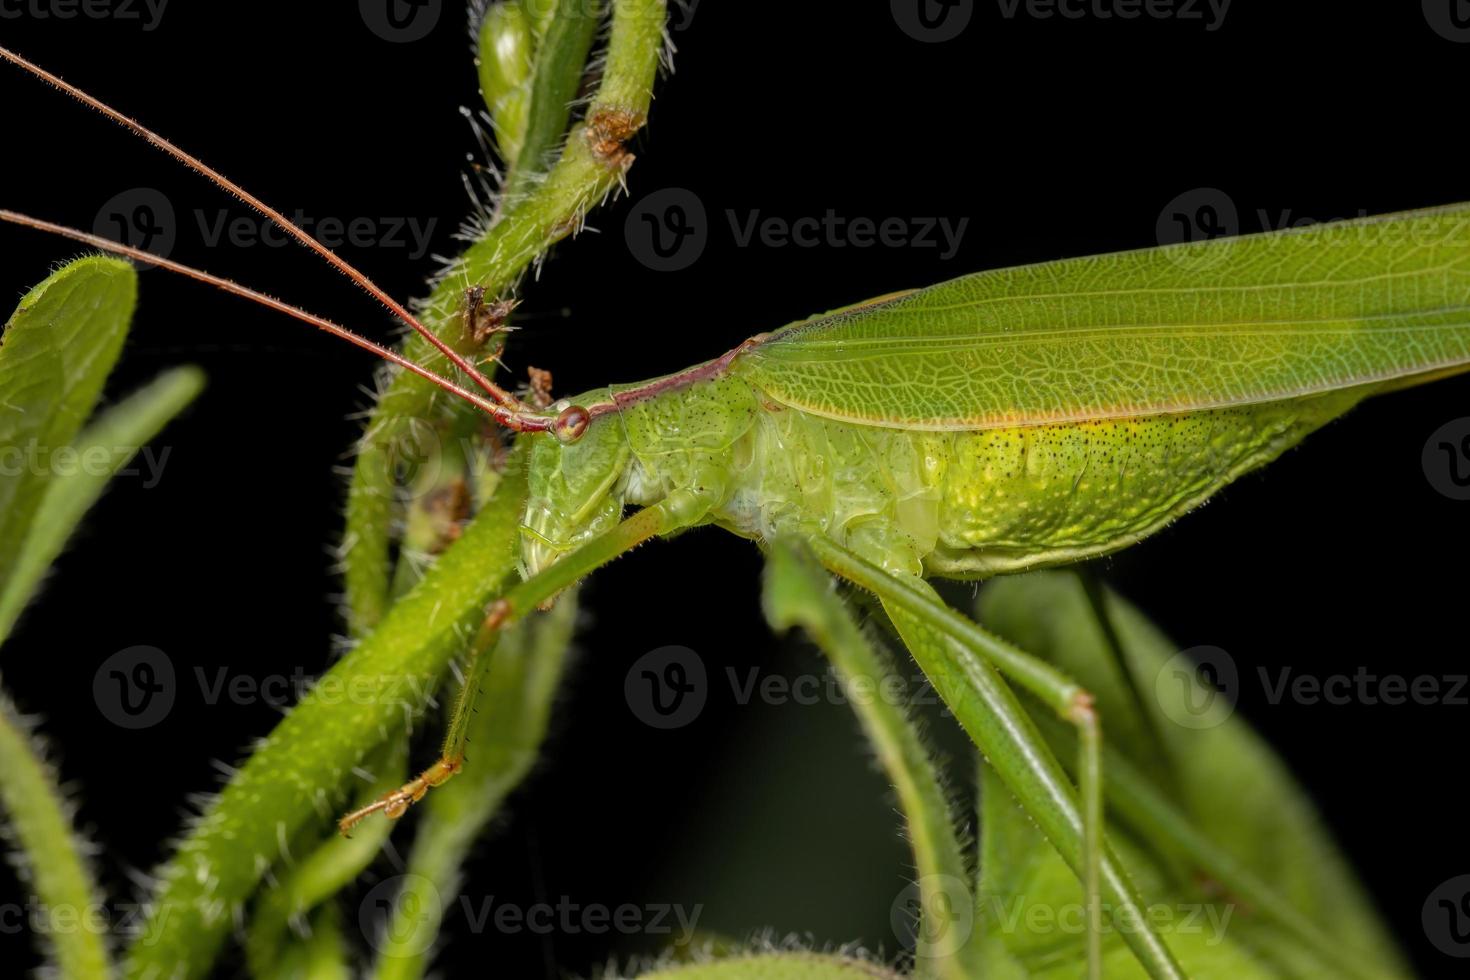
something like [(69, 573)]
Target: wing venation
[(1180, 328)]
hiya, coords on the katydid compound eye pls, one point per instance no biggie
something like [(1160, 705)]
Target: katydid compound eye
[(571, 423)]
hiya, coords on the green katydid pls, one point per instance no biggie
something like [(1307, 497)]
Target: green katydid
[(997, 422)]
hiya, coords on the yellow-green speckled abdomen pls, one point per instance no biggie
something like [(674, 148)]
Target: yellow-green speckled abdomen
[(973, 503), (1018, 498)]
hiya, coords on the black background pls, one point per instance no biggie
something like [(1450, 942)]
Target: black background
[(1054, 137)]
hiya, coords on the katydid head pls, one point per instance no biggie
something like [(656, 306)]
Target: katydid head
[(577, 487)]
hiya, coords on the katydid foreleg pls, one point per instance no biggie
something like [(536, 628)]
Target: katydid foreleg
[(675, 512), (962, 661)]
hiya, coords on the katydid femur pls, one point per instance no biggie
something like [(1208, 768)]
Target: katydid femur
[(997, 422)]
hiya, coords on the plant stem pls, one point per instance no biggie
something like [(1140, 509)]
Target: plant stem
[(593, 163), (51, 855)]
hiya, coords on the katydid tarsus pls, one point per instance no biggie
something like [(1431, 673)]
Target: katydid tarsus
[(993, 423)]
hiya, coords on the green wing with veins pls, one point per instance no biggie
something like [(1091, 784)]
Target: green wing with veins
[(1230, 322)]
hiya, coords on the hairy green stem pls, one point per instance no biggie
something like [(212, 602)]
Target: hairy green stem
[(335, 863), (50, 855), (296, 775), (592, 164), (560, 62)]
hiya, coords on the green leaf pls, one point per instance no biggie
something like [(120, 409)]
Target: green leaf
[(296, 776), (106, 446), (778, 966), (1300, 911), (1032, 920), (55, 354), (50, 856)]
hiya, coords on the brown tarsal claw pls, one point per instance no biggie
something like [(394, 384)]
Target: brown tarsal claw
[(396, 803)]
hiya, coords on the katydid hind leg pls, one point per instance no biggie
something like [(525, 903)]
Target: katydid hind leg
[(964, 662), (679, 510), (1089, 741), (1089, 787)]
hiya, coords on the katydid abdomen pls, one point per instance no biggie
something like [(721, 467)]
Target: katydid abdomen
[(976, 503)]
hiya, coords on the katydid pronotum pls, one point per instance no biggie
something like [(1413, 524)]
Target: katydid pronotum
[(993, 423)]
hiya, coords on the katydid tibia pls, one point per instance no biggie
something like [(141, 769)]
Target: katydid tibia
[(997, 422)]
